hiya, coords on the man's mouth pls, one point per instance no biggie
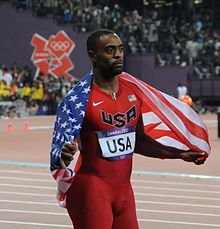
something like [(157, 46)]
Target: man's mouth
[(118, 63)]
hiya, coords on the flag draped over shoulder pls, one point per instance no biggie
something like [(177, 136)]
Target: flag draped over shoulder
[(165, 118), (69, 119), (170, 121)]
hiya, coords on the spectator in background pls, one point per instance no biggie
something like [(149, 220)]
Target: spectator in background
[(15, 70), (37, 93), (4, 91), (193, 48), (216, 63), (50, 98), (26, 93), (68, 12), (7, 77), (14, 93), (32, 108), (27, 75), (181, 90), (1, 74)]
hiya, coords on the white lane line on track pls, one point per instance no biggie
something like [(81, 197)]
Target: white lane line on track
[(133, 180), (28, 179), (27, 194), (28, 202), (41, 127), (177, 196), (28, 173), (177, 204), (24, 163), (28, 186), (175, 175), (177, 189), (154, 188), (177, 212), (137, 201), (134, 186), (135, 172), (136, 194), (141, 220), (35, 224), (174, 183), (139, 210), (34, 212), (179, 222)]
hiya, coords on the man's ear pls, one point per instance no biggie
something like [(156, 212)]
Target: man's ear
[(92, 55)]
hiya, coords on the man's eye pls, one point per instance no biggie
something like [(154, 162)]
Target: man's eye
[(109, 50)]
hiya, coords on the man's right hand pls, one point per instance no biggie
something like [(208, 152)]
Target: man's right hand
[(68, 151)]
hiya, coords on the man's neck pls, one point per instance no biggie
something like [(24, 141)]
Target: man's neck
[(109, 85)]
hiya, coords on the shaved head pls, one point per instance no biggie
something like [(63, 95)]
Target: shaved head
[(93, 39)]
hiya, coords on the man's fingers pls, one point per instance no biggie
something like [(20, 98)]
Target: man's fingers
[(68, 151), (199, 162), (67, 156), (70, 147), (199, 155), (199, 158)]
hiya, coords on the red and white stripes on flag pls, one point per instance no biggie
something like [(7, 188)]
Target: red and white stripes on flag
[(64, 177), (169, 120)]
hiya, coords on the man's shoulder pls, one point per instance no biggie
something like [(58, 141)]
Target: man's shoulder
[(127, 80), (124, 76)]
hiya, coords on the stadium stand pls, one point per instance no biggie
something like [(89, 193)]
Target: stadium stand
[(190, 40)]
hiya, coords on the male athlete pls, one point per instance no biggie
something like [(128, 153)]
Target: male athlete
[(100, 195)]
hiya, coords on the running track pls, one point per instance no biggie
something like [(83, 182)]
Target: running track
[(170, 194)]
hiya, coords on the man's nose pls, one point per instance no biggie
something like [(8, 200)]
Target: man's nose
[(118, 53)]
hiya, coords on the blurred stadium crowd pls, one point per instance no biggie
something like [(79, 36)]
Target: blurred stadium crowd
[(175, 37), (22, 94)]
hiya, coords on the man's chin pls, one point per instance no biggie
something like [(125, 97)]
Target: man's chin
[(118, 71), (113, 73)]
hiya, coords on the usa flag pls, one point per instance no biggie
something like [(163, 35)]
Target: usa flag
[(166, 119)]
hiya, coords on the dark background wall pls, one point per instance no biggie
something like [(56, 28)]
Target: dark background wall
[(18, 27), (164, 79)]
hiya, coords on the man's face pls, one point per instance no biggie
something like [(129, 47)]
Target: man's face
[(109, 55)]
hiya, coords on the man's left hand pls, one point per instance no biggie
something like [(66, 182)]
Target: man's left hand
[(197, 157)]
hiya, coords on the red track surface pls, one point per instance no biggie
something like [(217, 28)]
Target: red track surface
[(27, 191)]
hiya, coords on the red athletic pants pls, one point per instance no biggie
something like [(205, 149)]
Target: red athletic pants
[(93, 203)]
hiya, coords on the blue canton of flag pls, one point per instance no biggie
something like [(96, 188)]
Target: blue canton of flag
[(70, 115)]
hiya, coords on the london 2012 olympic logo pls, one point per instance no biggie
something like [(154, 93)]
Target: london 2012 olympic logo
[(52, 56)]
